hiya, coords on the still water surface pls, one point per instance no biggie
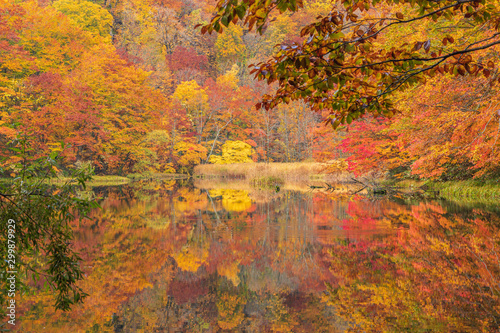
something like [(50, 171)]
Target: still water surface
[(166, 257)]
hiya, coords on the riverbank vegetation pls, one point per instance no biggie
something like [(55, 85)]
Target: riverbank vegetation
[(469, 190)]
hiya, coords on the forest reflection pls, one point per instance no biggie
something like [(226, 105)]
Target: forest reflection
[(172, 258)]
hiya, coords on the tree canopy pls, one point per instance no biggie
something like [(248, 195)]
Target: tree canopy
[(354, 58)]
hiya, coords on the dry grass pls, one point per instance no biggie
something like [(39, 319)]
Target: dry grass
[(287, 172)]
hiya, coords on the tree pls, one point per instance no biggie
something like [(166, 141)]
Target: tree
[(338, 65), (233, 152), (37, 219), (194, 100), (230, 47), (446, 129), (66, 84), (187, 64), (295, 121), (187, 155), (230, 106), (88, 15)]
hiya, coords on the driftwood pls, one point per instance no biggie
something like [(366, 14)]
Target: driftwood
[(378, 189), (328, 187)]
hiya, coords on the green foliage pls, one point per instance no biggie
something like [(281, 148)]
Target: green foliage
[(42, 213), (233, 152)]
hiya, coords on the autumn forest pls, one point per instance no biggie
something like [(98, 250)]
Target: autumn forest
[(132, 86), (250, 165)]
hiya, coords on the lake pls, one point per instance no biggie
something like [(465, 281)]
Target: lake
[(173, 257)]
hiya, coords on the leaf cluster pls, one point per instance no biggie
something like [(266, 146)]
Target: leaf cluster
[(42, 213), (341, 67)]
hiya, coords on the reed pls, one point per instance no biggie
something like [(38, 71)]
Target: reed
[(286, 172)]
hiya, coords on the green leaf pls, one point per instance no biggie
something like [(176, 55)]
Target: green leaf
[(240, 11)]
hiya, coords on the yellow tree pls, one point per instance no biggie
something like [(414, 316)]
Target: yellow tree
[(234, 152), (230, 47), (195, 101), (87, 15), (187, 155)]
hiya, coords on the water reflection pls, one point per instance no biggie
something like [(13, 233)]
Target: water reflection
[(170, 258)]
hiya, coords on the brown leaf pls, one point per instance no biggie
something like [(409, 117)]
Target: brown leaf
[(468, 68), (467, 59), (427, 45), (486, 72), (400, 16)]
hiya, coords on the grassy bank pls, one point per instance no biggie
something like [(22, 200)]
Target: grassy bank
[(107, 180), (280, 172), (468, 189), (462, 192), (113, 180)]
